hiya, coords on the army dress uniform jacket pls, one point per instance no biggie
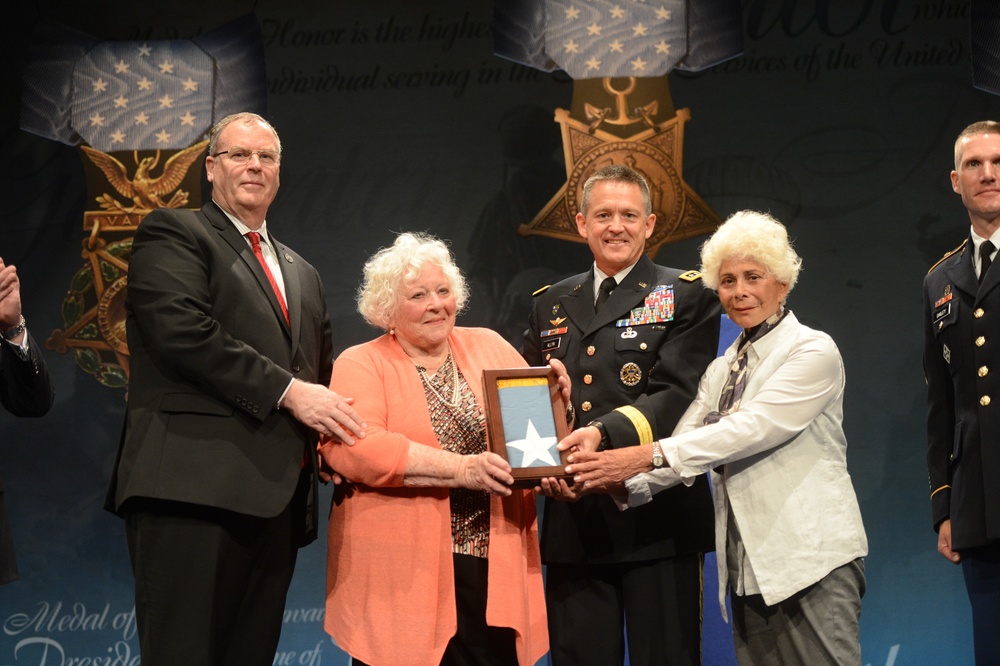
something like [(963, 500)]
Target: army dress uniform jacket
[(635, 367), (962, 368)]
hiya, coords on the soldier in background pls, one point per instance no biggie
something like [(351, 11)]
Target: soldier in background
[(961, 347)]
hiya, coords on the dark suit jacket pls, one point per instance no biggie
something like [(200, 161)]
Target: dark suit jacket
[(210, 356), (25, 390), (663, 361), (962, 368)]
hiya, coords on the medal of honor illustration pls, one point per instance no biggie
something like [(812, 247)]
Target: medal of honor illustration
[(619, 56), (94, 307), (624, 126), (631, 374), (139, 112)]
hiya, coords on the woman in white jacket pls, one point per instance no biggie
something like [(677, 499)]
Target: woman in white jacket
[(767, 425)]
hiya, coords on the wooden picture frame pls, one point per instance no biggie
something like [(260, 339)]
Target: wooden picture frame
[(526, 417)]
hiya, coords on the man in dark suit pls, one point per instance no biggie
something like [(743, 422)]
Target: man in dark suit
[(25, 388), (635, 354), (962, 368), (231, 355)]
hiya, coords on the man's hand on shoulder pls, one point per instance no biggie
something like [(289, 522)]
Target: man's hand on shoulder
[(326, 412)]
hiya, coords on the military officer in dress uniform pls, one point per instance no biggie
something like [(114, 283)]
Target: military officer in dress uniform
[(962, 367), (635, 338)]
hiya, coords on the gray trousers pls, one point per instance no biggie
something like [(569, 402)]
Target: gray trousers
[(818, 625)]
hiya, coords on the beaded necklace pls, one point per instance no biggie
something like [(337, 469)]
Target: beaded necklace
[(454, 382)]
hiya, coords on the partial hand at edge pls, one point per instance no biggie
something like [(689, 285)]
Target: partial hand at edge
[(558, 489), (326, 471), (565, 384), (607, 471), (587, 438), (326, 412), (944, 543), (10, 299)]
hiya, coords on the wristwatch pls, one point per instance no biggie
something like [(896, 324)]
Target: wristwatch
[(658, 460), (15, 331), (605, 441)]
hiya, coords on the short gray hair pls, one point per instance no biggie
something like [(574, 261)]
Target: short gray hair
[(616, 173), (244, 117), (751, 236), (390, 268)]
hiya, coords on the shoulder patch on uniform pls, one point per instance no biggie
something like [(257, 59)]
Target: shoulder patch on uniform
[(540, 291), (690, 276), (948, 254)]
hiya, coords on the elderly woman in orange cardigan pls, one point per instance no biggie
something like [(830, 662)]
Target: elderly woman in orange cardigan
[(432, 557)]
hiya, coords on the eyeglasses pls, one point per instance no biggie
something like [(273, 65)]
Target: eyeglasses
[(267, 158)]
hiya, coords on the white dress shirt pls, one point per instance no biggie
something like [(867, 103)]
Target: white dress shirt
[(600, 276), (977, 241), (266, 249), (785, 458), (271, 258)]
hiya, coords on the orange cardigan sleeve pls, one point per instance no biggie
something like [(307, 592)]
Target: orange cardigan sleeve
[(378, 375)]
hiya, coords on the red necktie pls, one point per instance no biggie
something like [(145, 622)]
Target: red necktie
[(255, 244)]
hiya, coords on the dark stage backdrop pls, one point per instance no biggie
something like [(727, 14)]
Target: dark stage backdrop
[(395, 116)]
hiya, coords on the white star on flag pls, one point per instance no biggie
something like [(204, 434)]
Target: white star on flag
[(158, 94), (534, 447), (666, 34), (624, 37)]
